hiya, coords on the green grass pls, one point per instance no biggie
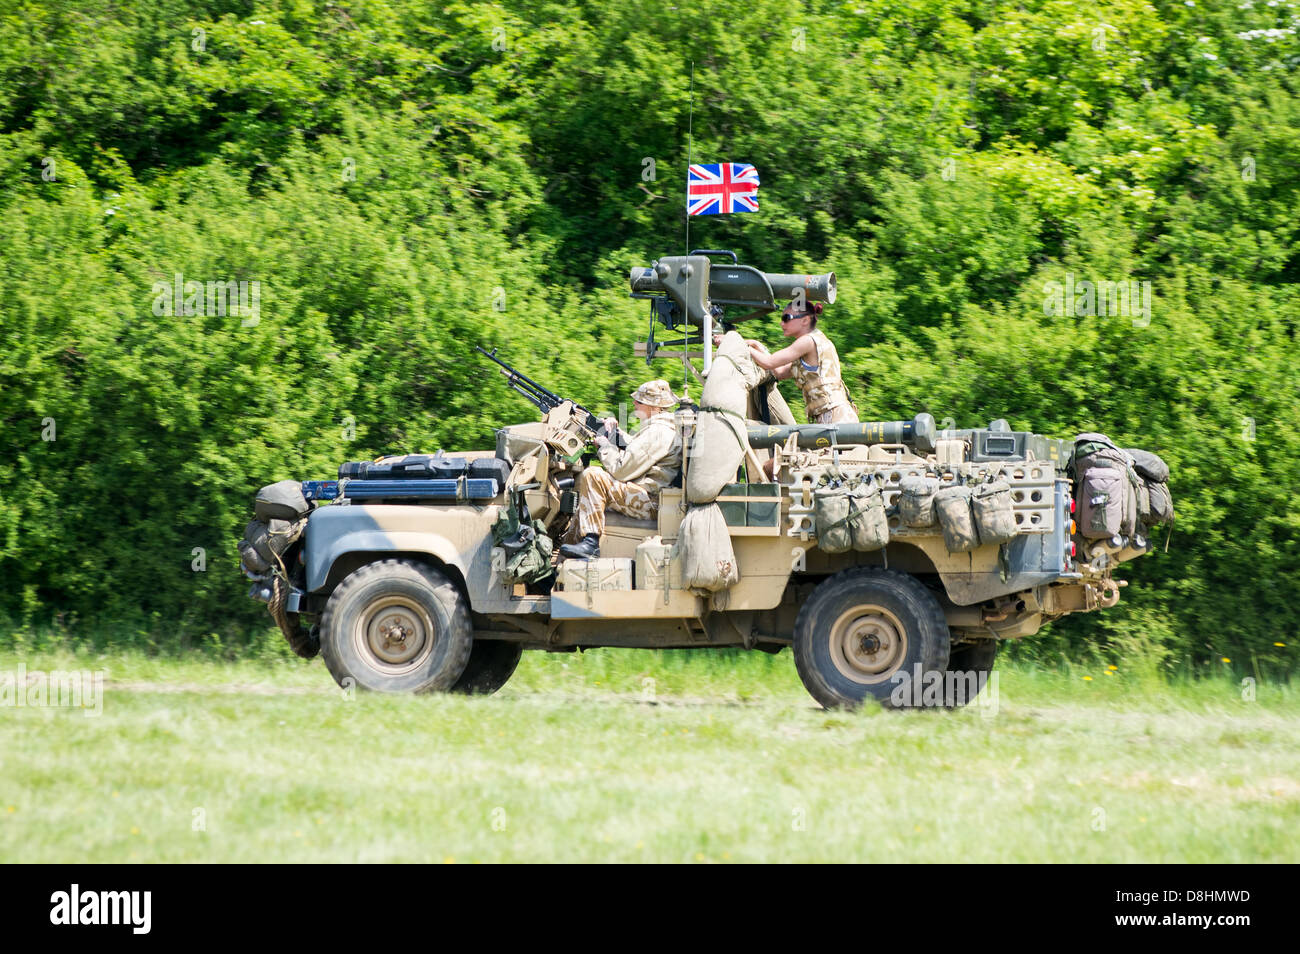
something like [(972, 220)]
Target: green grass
[(722, 758)]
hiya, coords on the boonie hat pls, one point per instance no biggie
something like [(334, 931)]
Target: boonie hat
[(655, 393)]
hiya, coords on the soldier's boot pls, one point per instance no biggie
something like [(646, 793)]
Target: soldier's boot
[(588, 548)]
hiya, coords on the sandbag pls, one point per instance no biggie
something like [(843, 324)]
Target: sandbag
[(708, 559), (995, 519), (953, 507), (282, 500), (721, 439), (916, 502)]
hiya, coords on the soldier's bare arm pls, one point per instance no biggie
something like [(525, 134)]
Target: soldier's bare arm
[(787, 356)]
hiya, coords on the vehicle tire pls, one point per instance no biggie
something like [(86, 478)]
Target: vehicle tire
[(396, 626), (863, 627), (491, 663), (977, 658)]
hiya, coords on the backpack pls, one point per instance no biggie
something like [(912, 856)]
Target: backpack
[(1106, 487)]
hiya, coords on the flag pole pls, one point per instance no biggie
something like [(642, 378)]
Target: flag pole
[(690, 158), (690, 124)]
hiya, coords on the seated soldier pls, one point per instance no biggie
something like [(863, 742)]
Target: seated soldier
[(631, 480)]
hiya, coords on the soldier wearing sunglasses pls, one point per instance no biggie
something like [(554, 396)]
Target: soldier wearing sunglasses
[(814, 364)]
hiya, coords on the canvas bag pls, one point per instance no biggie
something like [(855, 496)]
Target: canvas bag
[(868, 522), (282, 500), (953, 507), (708, 559), (265, 542), (721, 437), (995, 519), (831, 512), (916, 502), (1107, 483)]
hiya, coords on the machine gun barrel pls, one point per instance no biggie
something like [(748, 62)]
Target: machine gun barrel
[(919, 432), (544, 399)]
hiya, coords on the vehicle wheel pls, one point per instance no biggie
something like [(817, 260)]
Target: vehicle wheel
[(491, 663), (396, 626), (862, 633), (977, 658)]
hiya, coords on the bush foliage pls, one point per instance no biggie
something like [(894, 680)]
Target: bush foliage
[(406, 180)]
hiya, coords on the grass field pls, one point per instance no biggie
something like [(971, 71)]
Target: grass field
[(643, 756)]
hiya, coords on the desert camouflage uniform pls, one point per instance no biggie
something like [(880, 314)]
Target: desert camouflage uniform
[(631, 479), (825, 397)]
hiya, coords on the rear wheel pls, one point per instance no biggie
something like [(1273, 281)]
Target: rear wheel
[(863, 634), (491, 663), (969, 666), (396, 626)]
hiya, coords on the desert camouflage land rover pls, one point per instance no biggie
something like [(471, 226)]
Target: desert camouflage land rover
[(881, 552)]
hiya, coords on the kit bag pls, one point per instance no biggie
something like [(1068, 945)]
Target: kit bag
[(831, 511), (708, 558), (265, 542), (1149, 467), (995, 520), (868, 522), (721, 438), (527, 547), (1107, 487), (282, 500), (1103, 502), (916, 502), (1161, 504), (953, 507), (1155, 504)]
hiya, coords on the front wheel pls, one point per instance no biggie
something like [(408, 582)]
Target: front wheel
[(396, 626), (869, 633)]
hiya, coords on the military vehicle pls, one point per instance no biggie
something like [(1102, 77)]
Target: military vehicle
[(882, 553)]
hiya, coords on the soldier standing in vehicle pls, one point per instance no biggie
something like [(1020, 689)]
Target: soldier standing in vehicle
[(631, 479), (814, 364)]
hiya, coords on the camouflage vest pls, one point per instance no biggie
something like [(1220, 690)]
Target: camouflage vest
[(823, 389)]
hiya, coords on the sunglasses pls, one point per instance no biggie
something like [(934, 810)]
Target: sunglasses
[(785, 318)]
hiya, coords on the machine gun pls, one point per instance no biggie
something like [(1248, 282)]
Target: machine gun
[(546, 400), (693, 291)]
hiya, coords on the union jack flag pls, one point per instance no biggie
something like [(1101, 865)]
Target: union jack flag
[(721, 188)]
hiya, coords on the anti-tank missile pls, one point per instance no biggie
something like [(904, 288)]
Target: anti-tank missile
[(919, 433)]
